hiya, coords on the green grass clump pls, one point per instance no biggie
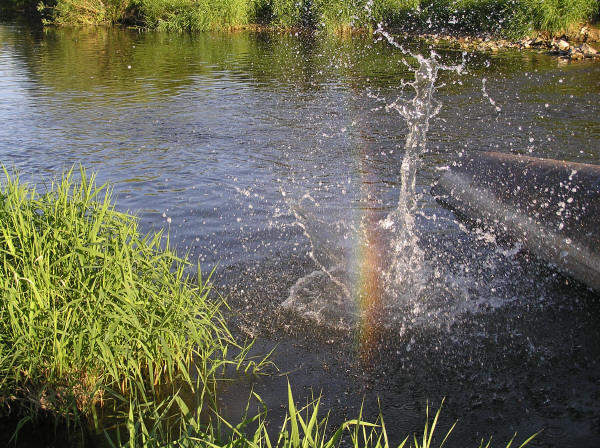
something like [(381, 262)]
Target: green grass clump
[(91, 312), (333, 15), (194, 15), (559, 15), (83, 12), (512, 18)]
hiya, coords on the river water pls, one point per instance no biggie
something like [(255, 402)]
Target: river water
[(273, 157)]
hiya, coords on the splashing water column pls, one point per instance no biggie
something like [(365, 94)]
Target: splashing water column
[(391, 269)]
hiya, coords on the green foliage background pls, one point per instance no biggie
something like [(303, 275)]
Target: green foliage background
[(499, 17)]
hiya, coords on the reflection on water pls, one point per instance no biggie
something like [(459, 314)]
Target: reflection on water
[(216, 135)]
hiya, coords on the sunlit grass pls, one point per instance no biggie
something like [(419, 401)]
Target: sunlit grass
[(512, 18), (82, 12), (302, 427), (194, 15), (92, 313), (497, 17), (559, 15)]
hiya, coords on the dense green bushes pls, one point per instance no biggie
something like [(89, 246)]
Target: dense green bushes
[(500, 17), (194, 15), (513, 17), (86, 12)]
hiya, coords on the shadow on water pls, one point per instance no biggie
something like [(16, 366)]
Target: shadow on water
[(271, 155)]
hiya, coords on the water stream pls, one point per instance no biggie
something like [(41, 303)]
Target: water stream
[(301, 167)]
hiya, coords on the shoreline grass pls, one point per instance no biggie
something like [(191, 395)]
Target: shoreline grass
[(94, 315), (303, 426), (504, 18)]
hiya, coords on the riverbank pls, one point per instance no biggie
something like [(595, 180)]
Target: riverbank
[(498, 18), (579, 44)]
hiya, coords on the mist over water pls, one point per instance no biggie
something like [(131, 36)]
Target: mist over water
[(288, 163)]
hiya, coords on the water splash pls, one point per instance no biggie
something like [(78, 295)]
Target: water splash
[(406, 257), (370, 264)]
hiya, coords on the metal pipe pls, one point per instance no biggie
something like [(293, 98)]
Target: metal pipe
[(551, 207)]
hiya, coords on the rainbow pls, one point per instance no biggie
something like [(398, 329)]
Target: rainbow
[(369, 289)]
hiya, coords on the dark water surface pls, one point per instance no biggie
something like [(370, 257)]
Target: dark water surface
[(263, 154)]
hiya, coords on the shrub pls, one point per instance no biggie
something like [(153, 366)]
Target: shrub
[(85, 12), (507, 17)]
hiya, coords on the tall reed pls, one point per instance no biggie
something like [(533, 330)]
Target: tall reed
[(194, 15), (512, 18), (559, 15)]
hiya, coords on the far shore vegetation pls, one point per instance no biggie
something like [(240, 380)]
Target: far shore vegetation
[(105, 331), (500, 18)]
